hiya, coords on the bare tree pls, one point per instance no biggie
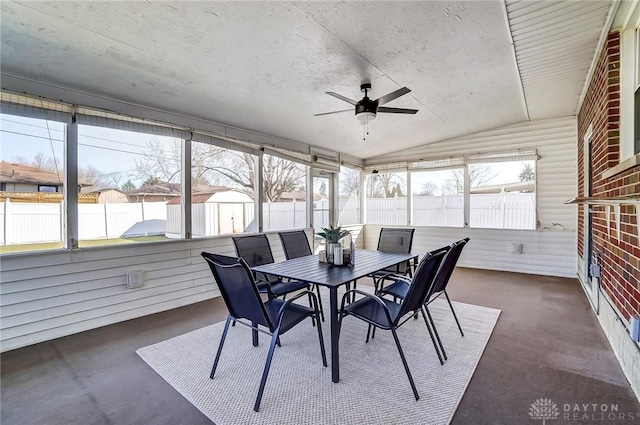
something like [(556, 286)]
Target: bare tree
[(281, 175), (218, 166), (47, 163), (91, 176), (41, 161), (479, 175), (387, 185), (428, 189), (88, 175), (159, 162), (349, 182)]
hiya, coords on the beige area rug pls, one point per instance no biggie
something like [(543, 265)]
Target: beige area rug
[(373, 387)]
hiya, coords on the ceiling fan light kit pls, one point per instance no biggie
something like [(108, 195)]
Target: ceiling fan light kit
[(365, 117)]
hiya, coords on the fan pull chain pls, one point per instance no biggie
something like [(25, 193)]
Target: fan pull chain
[(365, 129)]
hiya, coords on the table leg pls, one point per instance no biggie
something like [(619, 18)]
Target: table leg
[(254, 334), (333, 311)]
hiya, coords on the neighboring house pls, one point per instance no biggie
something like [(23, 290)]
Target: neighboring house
[(107, 195), (23, 178), (23, 183), (156, 192), (160, 191)]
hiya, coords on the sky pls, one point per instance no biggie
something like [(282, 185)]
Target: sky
[(114, 152)]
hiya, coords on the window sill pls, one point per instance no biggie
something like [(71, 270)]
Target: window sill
[(623, 166)]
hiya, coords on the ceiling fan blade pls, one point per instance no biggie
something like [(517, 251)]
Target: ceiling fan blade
[(393, 95), (333, 112), (397, 110), (341, 97)]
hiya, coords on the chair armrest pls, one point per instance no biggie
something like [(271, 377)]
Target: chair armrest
[(389, 276), (394, 277), (267, 284), (287, 303), (366, 295)]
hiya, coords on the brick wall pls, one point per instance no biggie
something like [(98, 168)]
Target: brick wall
[(620, 257)]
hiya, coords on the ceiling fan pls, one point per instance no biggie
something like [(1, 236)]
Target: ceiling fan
[(367, 109)]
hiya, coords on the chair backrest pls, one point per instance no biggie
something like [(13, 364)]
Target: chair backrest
[(254, 249), (238, 288), (422, 281), (395, 240), (295, 244), (448, 265)]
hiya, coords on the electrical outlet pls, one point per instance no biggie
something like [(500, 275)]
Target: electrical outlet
[(515, 248), (135, 279)]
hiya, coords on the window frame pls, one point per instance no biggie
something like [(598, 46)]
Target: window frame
[(72, 116)]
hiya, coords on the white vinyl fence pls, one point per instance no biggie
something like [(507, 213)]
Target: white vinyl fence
[(489, 211), (30, 223), (37, 223), (284, 215), (212, 218), (42, 222)]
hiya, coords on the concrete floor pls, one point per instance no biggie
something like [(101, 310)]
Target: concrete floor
[(547, 344)]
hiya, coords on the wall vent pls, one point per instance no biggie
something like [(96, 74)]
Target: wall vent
[(135, 279)]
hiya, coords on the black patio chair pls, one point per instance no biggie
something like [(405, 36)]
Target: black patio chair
[(400, 287), (296, 244), (388, 315), (394, 240), (273, 317), (256, 251), (444, 275)]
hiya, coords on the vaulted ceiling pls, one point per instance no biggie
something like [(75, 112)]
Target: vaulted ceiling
[(265, 66)]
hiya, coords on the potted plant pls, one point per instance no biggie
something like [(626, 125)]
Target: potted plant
[(332, 236)]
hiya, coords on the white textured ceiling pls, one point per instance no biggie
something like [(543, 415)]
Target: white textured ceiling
[(264, 66)]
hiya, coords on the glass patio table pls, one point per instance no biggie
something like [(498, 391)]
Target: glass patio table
[(309, 269)]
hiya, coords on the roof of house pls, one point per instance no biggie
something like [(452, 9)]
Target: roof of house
[(20, 173), (202, 197), (99, 189), (173, 189), (157, 188)]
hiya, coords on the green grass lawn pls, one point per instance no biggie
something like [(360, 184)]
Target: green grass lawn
[(82, 244)]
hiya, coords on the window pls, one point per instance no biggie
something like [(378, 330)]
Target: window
[(438, 197), (386, 198), (629, 81), (350, 187), (47, 189), (284, 191), (127, 179), (32, 208), (222, 187), (502, 195)]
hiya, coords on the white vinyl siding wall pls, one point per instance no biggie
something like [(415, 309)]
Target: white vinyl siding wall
[(46, 296), (551, 250)]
